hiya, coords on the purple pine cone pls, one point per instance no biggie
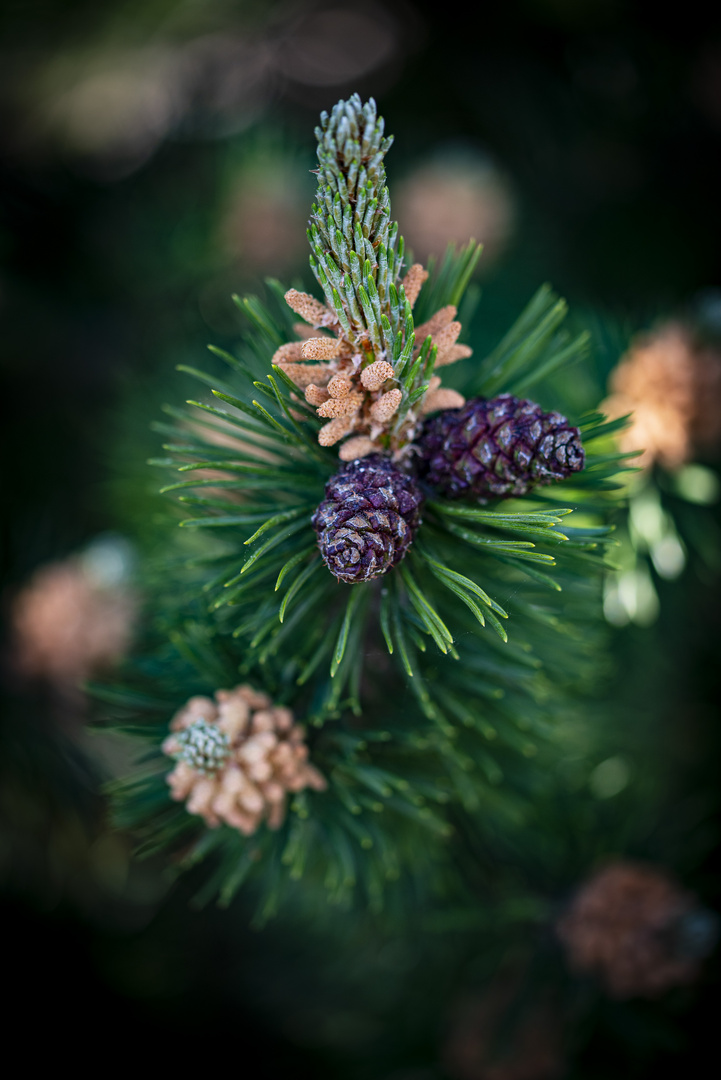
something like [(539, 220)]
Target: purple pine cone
[(367, 520), (491, 449)]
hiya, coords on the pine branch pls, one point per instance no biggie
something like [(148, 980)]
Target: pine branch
[(455, 660)]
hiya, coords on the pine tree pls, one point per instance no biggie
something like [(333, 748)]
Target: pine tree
[(412, 698)]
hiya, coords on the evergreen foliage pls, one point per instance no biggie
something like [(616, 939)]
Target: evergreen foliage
[(427, 690)]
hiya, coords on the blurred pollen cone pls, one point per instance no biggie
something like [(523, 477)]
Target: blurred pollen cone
[(637, 930), (73, 619), (451, 198), (481, 1045), (672, 388)]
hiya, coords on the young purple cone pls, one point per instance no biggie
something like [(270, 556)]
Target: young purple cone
[(367, 520), (491, 449)]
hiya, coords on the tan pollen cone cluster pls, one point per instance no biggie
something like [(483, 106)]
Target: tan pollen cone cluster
[(672, 388), (355, 389), (247, 755)]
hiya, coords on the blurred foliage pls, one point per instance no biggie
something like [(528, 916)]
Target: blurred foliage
[(131, 135)]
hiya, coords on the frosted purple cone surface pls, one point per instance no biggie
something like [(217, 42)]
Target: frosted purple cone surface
[(368, 519), (498, 447)]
